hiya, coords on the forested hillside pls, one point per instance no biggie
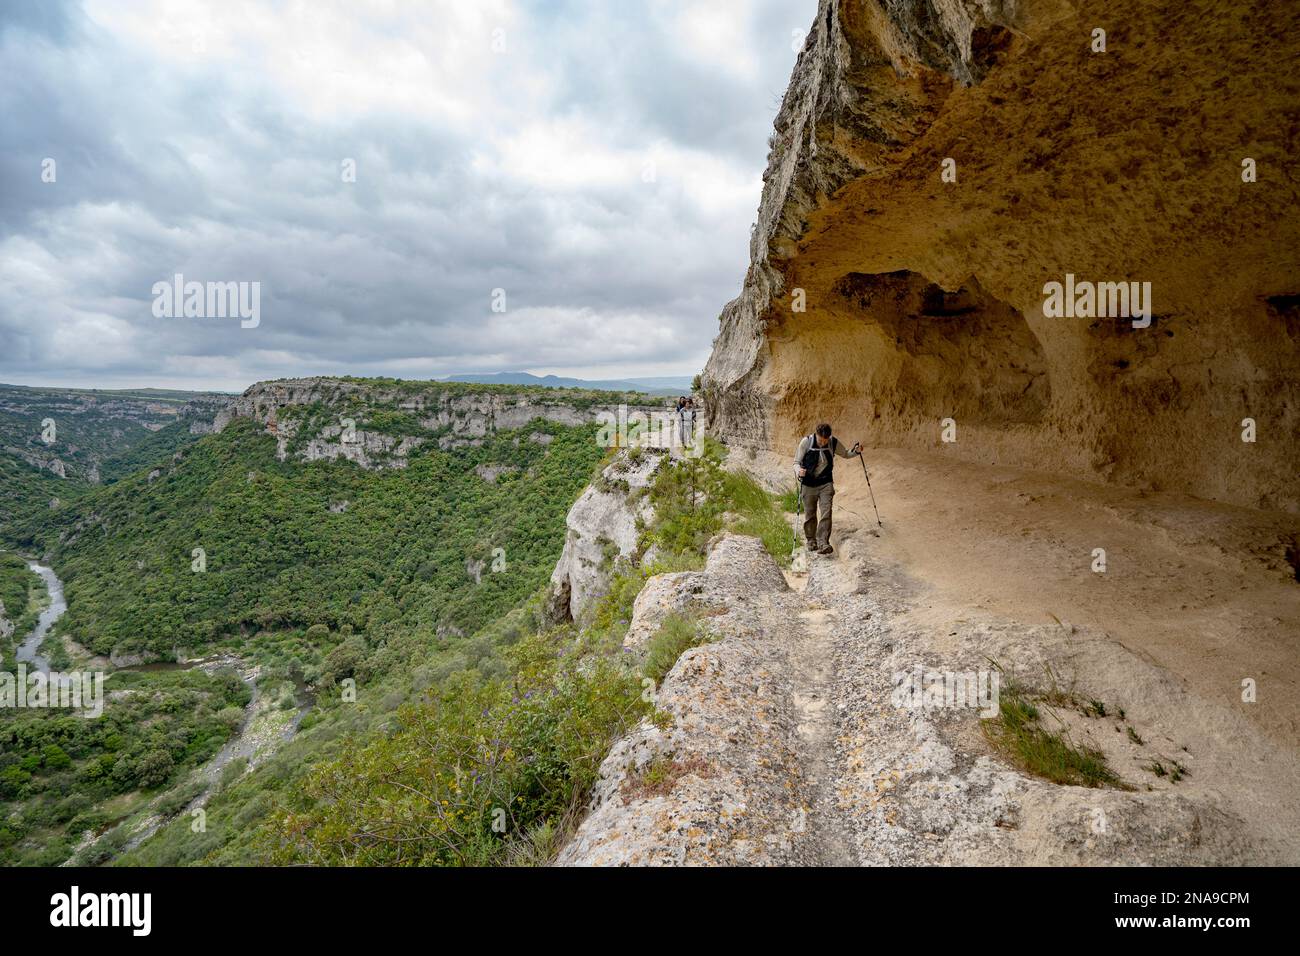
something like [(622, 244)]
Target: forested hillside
[(285, 545), (19, 590), (27, 494), (91, 435), (497, 766), (320, 595)]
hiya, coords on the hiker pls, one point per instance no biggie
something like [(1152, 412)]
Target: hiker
[(814, 463), (688, 421), (685, 419)]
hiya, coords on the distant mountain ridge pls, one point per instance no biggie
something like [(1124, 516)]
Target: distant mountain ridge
[(652, 385)]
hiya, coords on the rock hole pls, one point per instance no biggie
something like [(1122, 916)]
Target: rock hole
[(988, 45), (1286, 310), (955, 352)]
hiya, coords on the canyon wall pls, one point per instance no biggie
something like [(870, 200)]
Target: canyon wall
[(376, 423), (887, 297)]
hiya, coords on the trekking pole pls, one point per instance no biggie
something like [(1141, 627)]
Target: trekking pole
[(873, 494)]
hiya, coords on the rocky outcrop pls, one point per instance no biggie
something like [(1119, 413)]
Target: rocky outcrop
[(45, 462), (787, 741), (316, 418), (935, 164), (127, 658), (200, 413), (602, 533), (6, 625), (490, 473), (371, 450), (734, 564)]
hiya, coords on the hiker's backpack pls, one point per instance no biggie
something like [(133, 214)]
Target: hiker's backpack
[(812, 458)]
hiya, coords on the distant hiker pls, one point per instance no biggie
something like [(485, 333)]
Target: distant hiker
[(814, 463), (686, 419)]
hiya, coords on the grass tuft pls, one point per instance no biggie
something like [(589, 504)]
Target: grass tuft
[(1018, 733), (760, 515), (675, 636), (658, 777)]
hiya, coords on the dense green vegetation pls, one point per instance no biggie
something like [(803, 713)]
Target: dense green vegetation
[(20, 588), (447, 723), (153, 448), (496, 769), (109, 433), (62, 774), (26, 494), (288, 545), (361, 588), (91, 429)]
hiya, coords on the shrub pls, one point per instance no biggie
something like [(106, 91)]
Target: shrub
[(759, 515), (483, 773), (675, 636)]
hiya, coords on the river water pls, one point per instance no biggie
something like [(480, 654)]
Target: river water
[(27, 650), (240, 745)]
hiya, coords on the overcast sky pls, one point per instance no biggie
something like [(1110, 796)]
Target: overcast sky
[(600, 162)]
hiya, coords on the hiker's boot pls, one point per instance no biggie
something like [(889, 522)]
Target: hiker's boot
[(827, 549)]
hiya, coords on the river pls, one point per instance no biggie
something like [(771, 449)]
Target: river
[(27, 650), (240, 745)]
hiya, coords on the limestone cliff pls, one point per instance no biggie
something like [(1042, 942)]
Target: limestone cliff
[(366, 421), (71, 432), (924, 299), (603, 528)]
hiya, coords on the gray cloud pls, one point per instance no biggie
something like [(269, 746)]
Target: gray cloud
[(209, 142)]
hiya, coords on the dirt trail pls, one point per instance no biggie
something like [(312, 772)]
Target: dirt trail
[(813, 677), (1195, 598), (1203, 589)]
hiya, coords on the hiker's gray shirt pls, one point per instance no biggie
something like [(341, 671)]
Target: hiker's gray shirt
[(804, 446)]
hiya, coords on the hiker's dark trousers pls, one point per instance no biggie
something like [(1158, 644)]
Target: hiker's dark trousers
[(817, 532)]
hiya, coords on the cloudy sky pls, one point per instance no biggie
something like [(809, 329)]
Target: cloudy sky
[(600, 162)]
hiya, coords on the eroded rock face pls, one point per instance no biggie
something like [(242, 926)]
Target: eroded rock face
[(925, 299), (602, 531), (458, 416), (125, 658), (734, 564), (371, 450)]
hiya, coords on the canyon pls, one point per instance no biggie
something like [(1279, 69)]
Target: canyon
[(1040, 259)]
